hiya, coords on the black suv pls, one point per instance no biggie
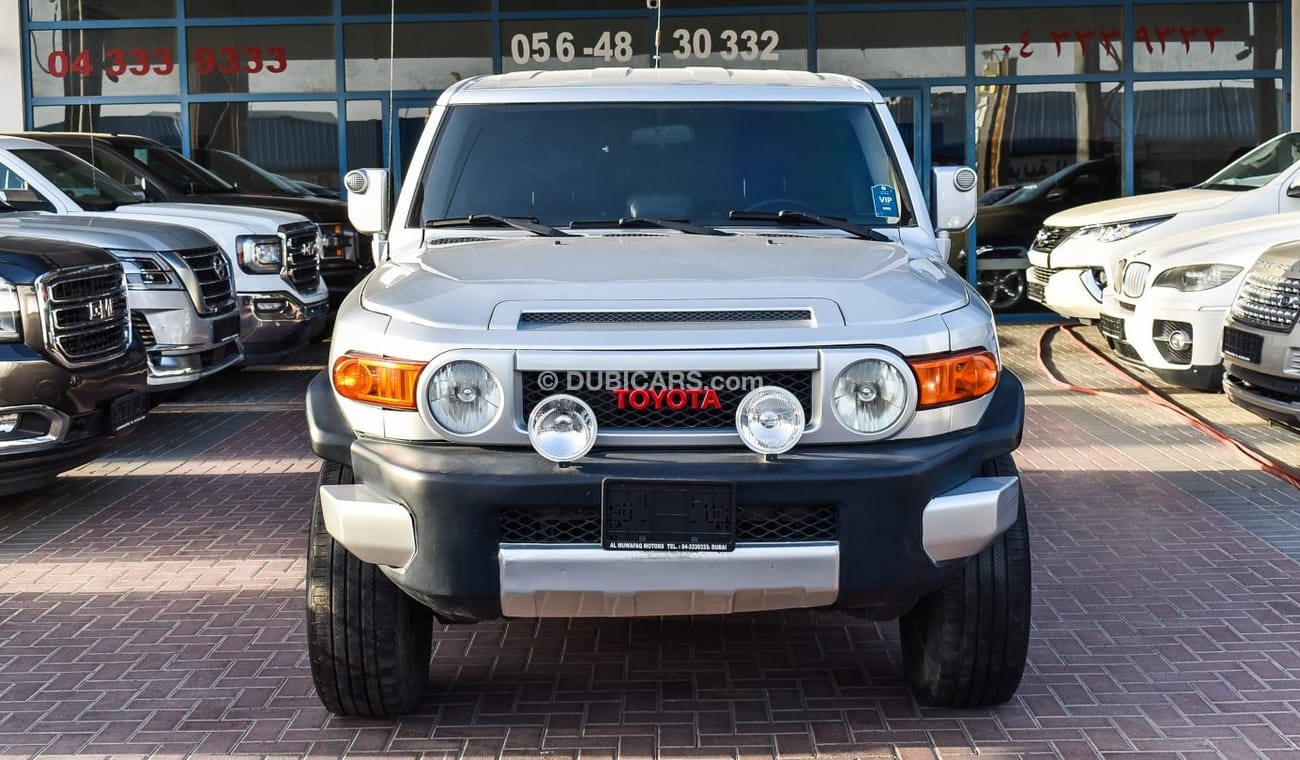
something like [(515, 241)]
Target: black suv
[(71, 378), (163, 174)]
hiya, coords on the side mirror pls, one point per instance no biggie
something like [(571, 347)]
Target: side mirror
[(1058, 195), (1293, 191), (954, 197), (368, 201)]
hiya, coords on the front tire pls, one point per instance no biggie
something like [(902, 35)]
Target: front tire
[(965, 644), (369, 643)]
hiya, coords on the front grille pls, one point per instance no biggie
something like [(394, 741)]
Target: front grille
[(1243, 345), (1111, 326), (733, 386), (754, 524), (553, 318), (1162, 330), (302, 257), (216, 292), (1267, 301), (1049, 237), (140, 326), (1135, 279), (85, 314), (1041, 274)]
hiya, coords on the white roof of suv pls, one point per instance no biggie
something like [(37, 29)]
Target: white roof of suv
[(684, 84)]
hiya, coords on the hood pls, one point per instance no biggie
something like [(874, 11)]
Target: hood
[(107, 231), (459, 285), (1239, 242), (1141, 207), (257, 219), (23, 259), (319, 210)]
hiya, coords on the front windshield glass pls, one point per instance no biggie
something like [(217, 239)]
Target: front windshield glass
[(697, 162), (178, 170), (1258, 167), (87, 186)]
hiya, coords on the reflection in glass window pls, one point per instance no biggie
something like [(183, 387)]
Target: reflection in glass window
[(297, 140), (929, 44), (261, 59), (427, 57), (1214, 36), (1049, 40), (112, 62), (575, 43), (765, 42), (385, 7), (1185, 131), (365, 134), (159, 121), (249, 8), (100, 10), (1027, 132)]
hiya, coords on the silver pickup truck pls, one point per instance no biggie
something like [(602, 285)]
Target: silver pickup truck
[(179, 289), (664, 342)]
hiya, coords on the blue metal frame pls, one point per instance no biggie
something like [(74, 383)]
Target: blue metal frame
[(811, 10)]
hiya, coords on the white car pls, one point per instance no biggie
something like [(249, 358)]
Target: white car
[(1077, 249), (1166, 308)]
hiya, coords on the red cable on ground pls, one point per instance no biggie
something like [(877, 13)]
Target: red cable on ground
[(1155, 398)]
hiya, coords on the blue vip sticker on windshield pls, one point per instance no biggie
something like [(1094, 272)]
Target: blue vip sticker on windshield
[(884, 200)]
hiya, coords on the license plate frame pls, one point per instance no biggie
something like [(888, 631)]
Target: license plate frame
[(127, 411), (668, 515)]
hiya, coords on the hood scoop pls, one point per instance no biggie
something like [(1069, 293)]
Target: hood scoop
[(540, 320)]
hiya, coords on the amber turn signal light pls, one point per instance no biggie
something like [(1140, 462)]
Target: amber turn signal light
[(950, 378), (375, 380)]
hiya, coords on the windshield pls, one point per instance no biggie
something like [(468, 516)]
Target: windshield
[(178, 170), (246, 175), (1258, 167), (87, 186), (696, 162)]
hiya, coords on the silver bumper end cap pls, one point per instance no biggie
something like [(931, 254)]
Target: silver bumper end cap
[(374, 528), (961, 522)]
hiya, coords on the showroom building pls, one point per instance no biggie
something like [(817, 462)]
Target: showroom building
[(1165, 92)]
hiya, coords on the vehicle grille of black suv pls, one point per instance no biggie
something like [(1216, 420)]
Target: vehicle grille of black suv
[(84, 313), (302, 257), (731, 388), (1268, 301), (212, 273), (754, 524), (1049, 237)]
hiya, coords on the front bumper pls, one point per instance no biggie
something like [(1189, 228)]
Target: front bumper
[(1073, 292), (906, 514), (1271, 397), (274, 325), (65, 419), (182, 345), (1138, 331)]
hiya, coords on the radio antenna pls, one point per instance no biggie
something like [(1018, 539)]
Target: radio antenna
[(658, 7)]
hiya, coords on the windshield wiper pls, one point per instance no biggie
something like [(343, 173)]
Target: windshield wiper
[(489, 220), (1226, 186), (790, 216), (641, 221)]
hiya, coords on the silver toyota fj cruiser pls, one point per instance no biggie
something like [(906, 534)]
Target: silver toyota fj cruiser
[(664, 342)]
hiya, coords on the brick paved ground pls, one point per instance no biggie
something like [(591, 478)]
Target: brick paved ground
[(151, 603)]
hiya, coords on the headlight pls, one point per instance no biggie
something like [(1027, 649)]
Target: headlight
[(1197, 277), (260, 254), (770, 420), (464, 397), (1110, 233), (11, 314), (870, 396), (146, 272), (562, 428), (333, 240)]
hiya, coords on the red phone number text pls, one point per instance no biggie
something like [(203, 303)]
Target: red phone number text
[(139, 62)]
